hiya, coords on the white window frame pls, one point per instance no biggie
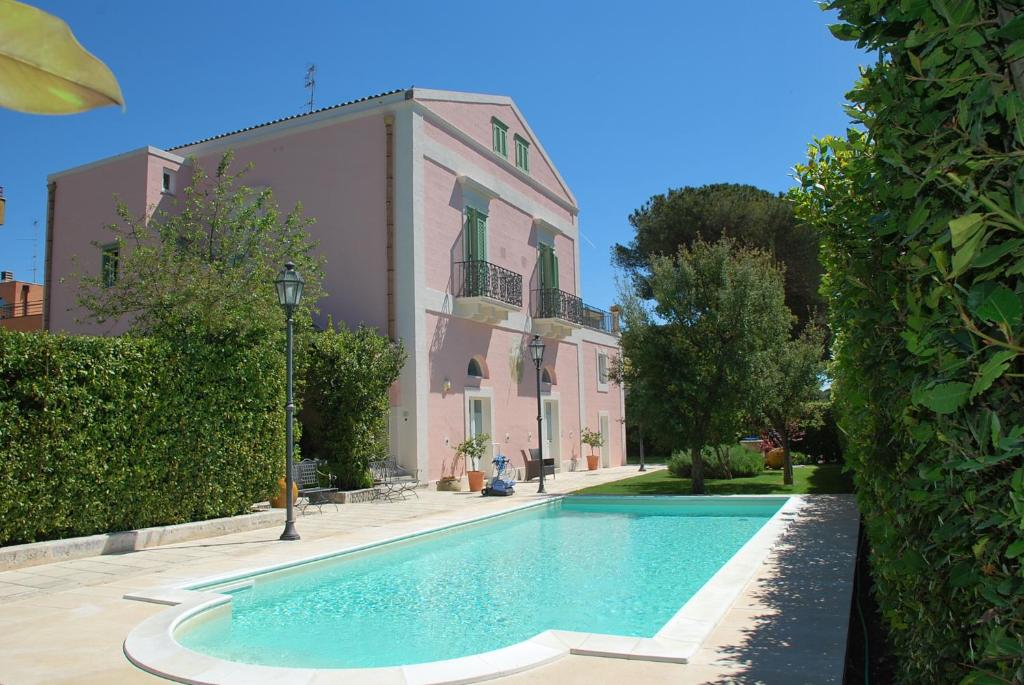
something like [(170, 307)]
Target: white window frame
[(172, 181), (602, 386)]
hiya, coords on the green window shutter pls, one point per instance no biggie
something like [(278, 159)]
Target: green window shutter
[(475, 235), (108, 265), (499, 137), (481, 236), (548, 267), (469, 234), (522, 154)]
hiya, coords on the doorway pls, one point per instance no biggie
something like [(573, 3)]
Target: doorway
[(606, 435), (552, 433)]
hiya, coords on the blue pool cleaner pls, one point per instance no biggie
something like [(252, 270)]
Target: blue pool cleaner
[(504, 483)]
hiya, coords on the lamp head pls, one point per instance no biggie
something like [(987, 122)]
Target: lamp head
[(289, 287), (536, 350)]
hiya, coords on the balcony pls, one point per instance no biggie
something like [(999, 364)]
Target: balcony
[(556, 313), (23, 316), (598, 319), (486, 292)]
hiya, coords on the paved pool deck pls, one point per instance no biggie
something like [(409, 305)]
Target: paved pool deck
[(65, 622)]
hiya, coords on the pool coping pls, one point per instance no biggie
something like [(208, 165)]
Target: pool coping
[(151, 645)]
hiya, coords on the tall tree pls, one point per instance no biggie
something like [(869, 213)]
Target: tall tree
[(207, 263), (789, 386), (750, 216), (717, 310)]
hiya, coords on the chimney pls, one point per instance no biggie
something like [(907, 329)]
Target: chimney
[(6, 276), (615, 310)]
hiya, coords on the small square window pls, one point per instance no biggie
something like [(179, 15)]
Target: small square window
[(167, 182), (522, 154), (499, 137), (108, 265)]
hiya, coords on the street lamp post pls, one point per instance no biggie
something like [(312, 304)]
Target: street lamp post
[(640, 434), (537, 354), (289, 292)]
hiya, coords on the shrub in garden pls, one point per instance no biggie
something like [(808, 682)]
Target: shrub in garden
[(108, 434), (346, 400), (724, 461)]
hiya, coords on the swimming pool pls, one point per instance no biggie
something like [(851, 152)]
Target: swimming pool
[(611, 565)]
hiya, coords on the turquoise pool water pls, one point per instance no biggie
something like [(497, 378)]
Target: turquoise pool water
[(614, 565)]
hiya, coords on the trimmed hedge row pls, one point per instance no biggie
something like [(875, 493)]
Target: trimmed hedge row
[(108, 434)]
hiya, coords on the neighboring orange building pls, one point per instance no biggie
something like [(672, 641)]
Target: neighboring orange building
[(21, 304)]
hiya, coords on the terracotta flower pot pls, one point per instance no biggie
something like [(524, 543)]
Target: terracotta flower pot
[(476, 480), (279, 502), (592, 462)]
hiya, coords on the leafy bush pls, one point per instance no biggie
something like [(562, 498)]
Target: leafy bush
[(725, 461), (108, 434), (921, 212), (345, 406), (821, 440)]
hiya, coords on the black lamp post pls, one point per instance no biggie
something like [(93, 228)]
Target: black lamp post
[(537, 354), (289, 292), (640, 434)]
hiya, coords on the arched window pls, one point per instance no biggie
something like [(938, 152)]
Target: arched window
[(547, 376), (474, 368)]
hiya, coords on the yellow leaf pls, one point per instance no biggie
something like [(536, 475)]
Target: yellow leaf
[(45, 70)]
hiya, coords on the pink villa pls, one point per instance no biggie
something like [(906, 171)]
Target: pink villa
[(443, 223)]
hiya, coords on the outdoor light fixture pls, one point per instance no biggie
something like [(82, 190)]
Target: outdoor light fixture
[(289, 293), (537, 354)]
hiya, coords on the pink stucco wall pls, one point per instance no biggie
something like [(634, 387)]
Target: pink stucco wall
[(512, 238), (453, 341), (610, 400), (475, 120), (84, 205), (337, 172)]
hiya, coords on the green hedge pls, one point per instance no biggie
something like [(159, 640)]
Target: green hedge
[(108, 434), (921, 212), (348, 377)]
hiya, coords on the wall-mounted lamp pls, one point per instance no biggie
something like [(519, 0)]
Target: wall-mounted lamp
[(446, 386)]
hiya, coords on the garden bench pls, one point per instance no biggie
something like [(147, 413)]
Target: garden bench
[(391, 481), (533, 464), (307, 478)]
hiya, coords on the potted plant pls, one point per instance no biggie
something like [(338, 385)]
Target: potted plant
[(471, 450), (595, 440), (449, 481)]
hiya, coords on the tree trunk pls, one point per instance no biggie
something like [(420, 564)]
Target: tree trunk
[(787, 459), (697, 471)]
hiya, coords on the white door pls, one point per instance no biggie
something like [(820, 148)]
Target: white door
[(605, 437), (480, 422), (552, 431)]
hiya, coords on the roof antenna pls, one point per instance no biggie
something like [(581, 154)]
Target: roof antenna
[(311, 84)]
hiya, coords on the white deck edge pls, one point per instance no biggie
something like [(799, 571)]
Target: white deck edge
[(151, 645)]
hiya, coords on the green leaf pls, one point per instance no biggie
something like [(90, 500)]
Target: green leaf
[(963, 228), (964, 255), (844, 31), (44, 69), (945, 398), (997, 304), (1015, 550), (991, 370)]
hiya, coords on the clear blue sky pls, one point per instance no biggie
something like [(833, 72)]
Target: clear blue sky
[(629, 98)]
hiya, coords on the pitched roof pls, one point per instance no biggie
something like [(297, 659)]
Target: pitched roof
[(294, 116)]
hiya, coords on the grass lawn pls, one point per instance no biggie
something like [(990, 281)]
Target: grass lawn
[(824, 479)]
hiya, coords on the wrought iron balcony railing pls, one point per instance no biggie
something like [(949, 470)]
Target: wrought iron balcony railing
[(551, 303), (598, 319), (478, 278)]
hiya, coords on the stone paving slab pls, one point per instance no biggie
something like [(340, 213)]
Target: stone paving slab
[(72, 631)]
